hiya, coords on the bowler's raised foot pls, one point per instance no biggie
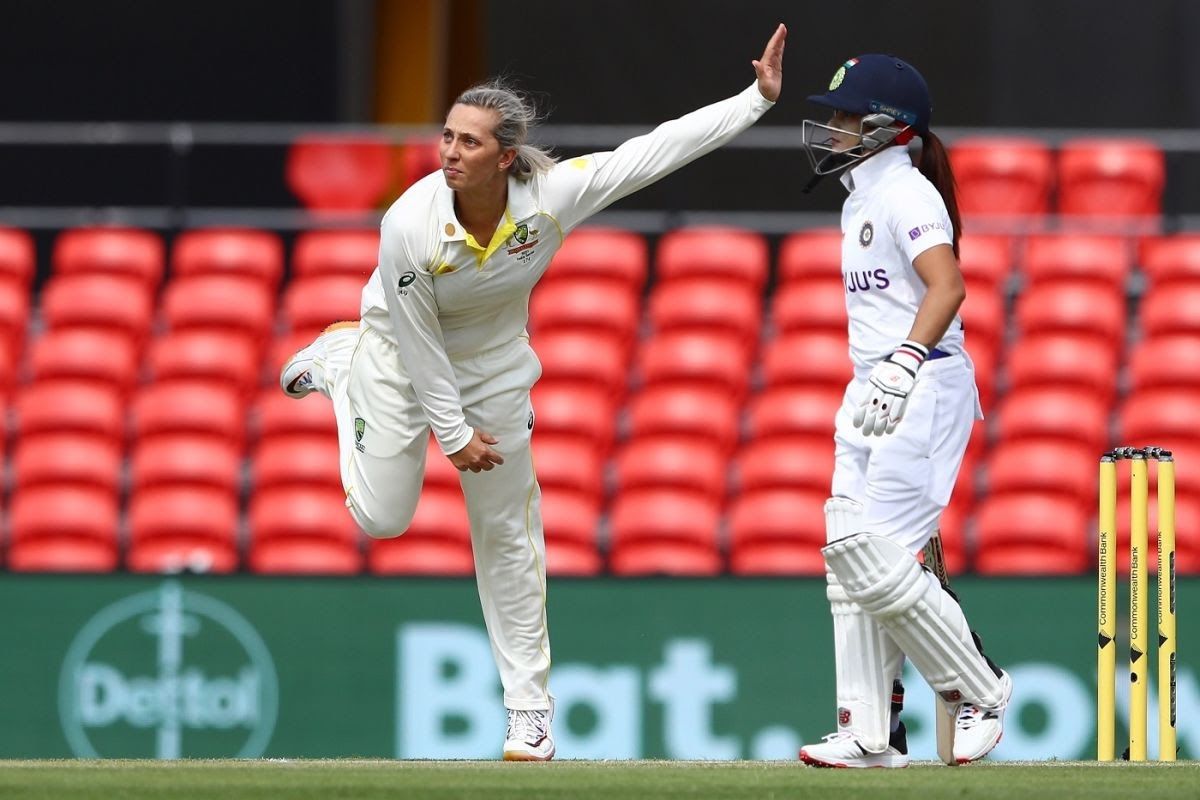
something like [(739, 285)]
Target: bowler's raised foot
[(298, 377)]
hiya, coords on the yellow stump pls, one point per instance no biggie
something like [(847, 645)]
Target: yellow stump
[(1106, 671), (1138, 650), (1166, 610)]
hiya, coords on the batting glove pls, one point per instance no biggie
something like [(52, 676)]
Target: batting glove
[(888, 387)]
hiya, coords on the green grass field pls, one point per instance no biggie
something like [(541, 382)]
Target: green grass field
[(584, 780)]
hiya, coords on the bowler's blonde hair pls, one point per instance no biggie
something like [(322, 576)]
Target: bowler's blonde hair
[(517, 115)]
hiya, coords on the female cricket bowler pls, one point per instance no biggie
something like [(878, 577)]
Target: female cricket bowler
[(441, 345), (903, 425)]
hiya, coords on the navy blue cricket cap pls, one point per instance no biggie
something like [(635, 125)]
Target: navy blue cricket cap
[(879, 84)]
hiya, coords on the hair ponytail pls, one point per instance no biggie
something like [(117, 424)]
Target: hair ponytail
[(935, 166), (516, 116)]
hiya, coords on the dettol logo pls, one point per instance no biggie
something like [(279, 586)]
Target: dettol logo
[(168, 673)]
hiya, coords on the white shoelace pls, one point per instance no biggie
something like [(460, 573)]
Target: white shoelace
[(837, 736), (527, 726)]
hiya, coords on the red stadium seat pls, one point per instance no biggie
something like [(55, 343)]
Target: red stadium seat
[(340, 173), (621, 257), (195, 407), (675, 462), (1079, 258), (185, 460), (1002, 176), (223, 302), (336, 252), (98, 300), (419, 157), (191, 527), (225, 357), (303, 529), (708, 305), (14, 314), (1165, 259), (796, 411), (1080, 308), (1166, 361), (664, 531), (175, 554), (131, 252), (693, 357), (567, 464), (778, 532), (104, 356), (815, 253), (1053, 466), (276, 414), (1032, 534), (1064, 359), (570, 523), (582, 410), (70, 406), (786, 462), (730, 253), (704, 412), (984, 355), (1048, 412), (982, 315), (440, 473), (438, 542), (605, 308), (67, 458), (952, 529), (985, 260), (67, 528), (1110, 177), (583, 358), (18, 258), (810, 304), (1159, 416), (229, 251), (420, 555), (1171, 309), (804, 357), (309, 459), (312, 304)]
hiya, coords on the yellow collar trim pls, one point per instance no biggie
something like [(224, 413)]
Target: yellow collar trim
[(505, 230)]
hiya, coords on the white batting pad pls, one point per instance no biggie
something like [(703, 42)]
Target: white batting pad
[(866, 662), (843, 517), (929, 626)]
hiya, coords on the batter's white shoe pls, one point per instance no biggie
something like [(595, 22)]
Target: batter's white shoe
[(528, 737), (842, 750), (978, 729), (300, 375)]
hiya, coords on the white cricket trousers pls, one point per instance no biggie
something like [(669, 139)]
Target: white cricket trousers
[(383, 436), (904, 479)]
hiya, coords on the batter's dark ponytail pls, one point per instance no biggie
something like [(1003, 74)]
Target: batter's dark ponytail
[(935, 166)]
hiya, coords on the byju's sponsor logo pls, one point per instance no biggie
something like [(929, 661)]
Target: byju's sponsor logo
[(168, 673), (866, 280), (916, 232)]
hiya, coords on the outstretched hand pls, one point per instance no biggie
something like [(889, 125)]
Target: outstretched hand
[(769, 68)]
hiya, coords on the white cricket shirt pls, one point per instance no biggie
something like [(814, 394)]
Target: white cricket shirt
[(440, 296), (893, 214)]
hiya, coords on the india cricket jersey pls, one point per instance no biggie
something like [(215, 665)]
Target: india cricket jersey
[(440, 296), (893, 214)]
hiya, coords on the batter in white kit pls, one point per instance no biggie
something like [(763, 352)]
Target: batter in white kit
[(441, 345), (903, 426)]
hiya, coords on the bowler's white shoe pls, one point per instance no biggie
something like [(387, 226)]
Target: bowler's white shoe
[(528, 737), (300, 374), (978, 729), (842, 749)]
